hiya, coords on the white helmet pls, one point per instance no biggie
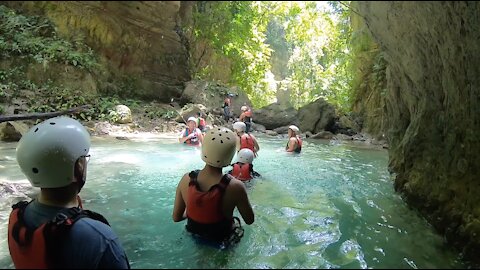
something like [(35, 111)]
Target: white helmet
[(294, 129), (245, 155), (244, 108), (191, 118), (47, 153), (239, 126), (219, 147)]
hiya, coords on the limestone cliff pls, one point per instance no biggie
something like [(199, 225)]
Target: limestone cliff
[(140, 42), (432, 107)]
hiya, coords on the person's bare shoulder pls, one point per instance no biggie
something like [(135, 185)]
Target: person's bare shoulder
[(235, 184)]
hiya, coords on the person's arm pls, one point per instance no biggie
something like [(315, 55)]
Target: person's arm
[(183, 138), (238, 143), (200, 135), (243, 203), (242, 116), (291, 144), (114, 257), (179, 206), (256, 147)]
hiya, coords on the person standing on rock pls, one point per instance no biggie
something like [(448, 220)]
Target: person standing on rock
[(246, 117), (54, 230)]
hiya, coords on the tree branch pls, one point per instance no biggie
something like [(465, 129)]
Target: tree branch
[(17, 117)]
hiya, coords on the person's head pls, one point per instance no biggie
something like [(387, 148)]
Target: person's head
[(239, 127), (244, 108), (293, 131), (52, 155), (218, 148), (192, 122), (245, 155)]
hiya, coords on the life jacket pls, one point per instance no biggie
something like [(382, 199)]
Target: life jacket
[(248, 117), (204, 210), (298, 147), (194, 140), (246, 141), (241, 171), (42, 247), (201, 122)]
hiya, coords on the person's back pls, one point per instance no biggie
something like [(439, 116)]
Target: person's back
[(207, 198), (53, 231)]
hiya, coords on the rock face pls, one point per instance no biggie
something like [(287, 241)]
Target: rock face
[(432, 107), (141, 43), (316, 116), (275, 115)]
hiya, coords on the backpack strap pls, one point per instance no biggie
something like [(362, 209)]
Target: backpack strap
[(20, 224)]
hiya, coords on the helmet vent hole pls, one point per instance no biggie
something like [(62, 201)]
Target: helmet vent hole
[(34, 170), (213, 139), (205, 156), (219, 134), (218, 161), (228, 138), (221, 141), (36, 130), (52, 123)]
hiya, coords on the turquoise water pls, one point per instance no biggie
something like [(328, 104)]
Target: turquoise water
[(332, 206)]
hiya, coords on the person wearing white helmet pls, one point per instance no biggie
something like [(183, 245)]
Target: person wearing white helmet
[(246, 117), (245, 140), (53, 230), (243, 168), (191, 135), (294, 143), (207, 198)]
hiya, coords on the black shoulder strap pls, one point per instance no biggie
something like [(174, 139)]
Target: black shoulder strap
[(193, 177), (21, 224), (226, 178)]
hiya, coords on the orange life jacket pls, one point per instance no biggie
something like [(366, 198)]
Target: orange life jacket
[(246, 141), (241, 171), (40, 248), (204, 209)]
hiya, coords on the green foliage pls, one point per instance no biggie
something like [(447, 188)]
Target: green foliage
[(236, 30), (315, 38), (35, 38)]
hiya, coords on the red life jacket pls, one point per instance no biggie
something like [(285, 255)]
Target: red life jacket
[(241, 171), (201, 122), (246, 141), (204, 209), (193, 141), (299, 145), (40, 247)]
